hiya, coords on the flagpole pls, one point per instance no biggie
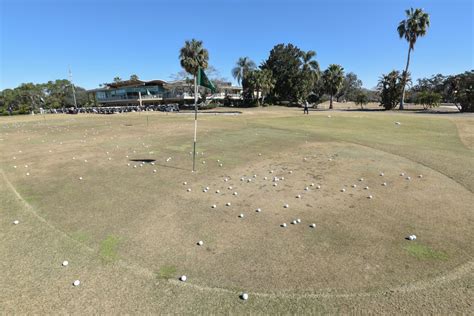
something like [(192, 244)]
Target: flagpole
[(195, 120)]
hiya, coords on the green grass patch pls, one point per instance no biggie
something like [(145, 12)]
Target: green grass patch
[(166, 272), (108, 249), (80, 236), (424, 252)]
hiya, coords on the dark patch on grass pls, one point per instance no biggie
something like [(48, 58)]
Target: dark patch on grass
[(166, 272), (424, 252), (143, 160), (108, 249)]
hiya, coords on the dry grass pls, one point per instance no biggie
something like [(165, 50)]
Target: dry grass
[(129, 232)]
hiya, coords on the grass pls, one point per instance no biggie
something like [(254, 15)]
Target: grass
[(109, 249), (166, 272), (357, 247), (423, 252)]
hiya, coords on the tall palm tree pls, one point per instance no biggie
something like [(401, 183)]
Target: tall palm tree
[(333, 78), (242, 66), (415, 25), (192, 56)]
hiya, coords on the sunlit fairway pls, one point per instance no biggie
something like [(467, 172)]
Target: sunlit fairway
[(117, 200)]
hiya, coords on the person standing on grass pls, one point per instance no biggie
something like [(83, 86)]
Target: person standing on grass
[(306, 111)]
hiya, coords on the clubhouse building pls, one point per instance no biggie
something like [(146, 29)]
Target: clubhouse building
[(156, 92)]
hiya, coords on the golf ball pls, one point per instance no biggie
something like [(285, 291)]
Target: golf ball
[(244, 296), (183, 278), (16, 222), (200, 243), (65, 263), (76, 283), (312, 225)]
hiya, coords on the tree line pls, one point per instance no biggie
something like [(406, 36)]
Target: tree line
[(288, 76)]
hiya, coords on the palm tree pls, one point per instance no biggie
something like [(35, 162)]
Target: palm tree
[(192, 56), (242, 66), (333, 78), (415, 25), (308, 62), (134, 77), (117, 79)]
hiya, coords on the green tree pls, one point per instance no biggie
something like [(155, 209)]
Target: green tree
[(361, 99), (350, 87), (192, 56), (310, 73), (390, 88), (460, 91), (117, 79), (284, 62), (260, 83), (242, 67), (134, 77), (415, 25), (333, 77), (428, 99)]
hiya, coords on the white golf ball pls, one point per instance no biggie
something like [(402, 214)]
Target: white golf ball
[(258, 210), (271, 171), (402, 174), (354, 185), (183, 278), (220, 165), (229, 188), (154, 171), (27, 173), (184, 183), (298, 196), (225, 179), (408, 178), (249, 180), (312, 225), (370, 197), (283, 225), (241, 215), (16, 222), (298, 220), (361, 179), (312, 184), (235, 193), (306, 189), (76, 283), (217, 191), (384, 184), (420, 176), (14, 167), (366, 188), (200, 243), (189, 190), (343, 190), (318, 187), (228, 204), (294, 222), (214, 206), (244, 296), (134, 166), (275, 184), (290, 172), (381, 174), (65, 263), (265, 178), (286, 206)]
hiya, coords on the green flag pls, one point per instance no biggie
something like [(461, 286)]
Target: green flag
[(202, 80)]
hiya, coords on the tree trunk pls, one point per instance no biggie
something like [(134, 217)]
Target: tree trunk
[(405, 79), (330, 103)]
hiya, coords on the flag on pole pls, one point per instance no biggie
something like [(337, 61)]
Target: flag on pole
[(203, 81)]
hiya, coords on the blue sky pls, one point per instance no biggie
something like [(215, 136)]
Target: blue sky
[(103, 38)]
